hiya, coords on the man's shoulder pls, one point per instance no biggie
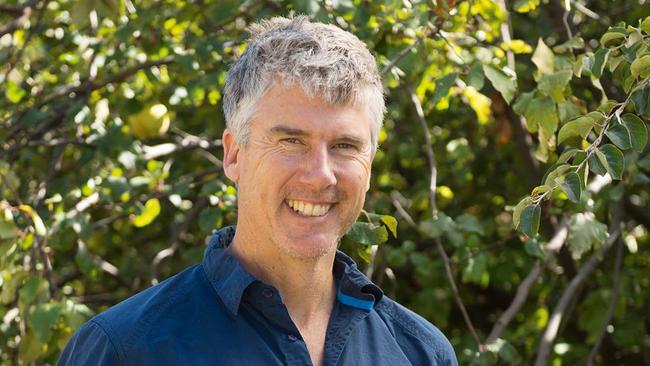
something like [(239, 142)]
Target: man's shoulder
[(144, 313), (414, 332)]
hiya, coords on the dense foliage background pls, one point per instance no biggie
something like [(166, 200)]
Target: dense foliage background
[(99, 200)]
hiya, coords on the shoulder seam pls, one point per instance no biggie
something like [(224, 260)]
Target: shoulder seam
[(138, 333), (390, 313), (118, 351)]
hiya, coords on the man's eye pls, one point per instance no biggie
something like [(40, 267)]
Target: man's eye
[(344, 145), (291, 140)]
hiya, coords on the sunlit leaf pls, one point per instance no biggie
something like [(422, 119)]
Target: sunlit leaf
[(149, 213), (544, 58), (501, 82)]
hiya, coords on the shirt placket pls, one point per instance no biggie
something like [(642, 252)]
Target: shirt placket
[(267, 300)]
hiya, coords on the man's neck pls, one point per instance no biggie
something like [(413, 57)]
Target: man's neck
[(307, 285)]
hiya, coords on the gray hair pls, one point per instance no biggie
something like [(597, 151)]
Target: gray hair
[(323, 59)]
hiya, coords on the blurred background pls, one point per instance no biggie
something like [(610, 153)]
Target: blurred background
[(111, 179)]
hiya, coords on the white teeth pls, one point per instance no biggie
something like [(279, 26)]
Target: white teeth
[(308, 209)]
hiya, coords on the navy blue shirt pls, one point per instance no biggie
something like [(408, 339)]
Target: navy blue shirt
[(216, 313)]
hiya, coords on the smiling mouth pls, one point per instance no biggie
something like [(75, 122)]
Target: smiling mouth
[(308, 209)]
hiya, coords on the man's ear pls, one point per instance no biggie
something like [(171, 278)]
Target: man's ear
[(230, 155)]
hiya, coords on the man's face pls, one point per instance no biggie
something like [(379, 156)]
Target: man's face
[(304, 172)]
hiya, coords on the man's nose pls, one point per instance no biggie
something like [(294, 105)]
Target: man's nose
[(318, 171)]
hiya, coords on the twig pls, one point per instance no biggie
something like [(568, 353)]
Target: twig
[(405, 51), (89, 85), (32, 28), (175, 241), (612, 303), (432, 202), (583, 9), (506, 34), (516, 304), (551, 331), (22, 19), (431, 158)]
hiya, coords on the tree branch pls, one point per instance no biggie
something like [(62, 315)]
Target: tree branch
[(175, 240), (431, 158), (26, 11), (552, 247), (548, 338), (432, 201), (612, 303)]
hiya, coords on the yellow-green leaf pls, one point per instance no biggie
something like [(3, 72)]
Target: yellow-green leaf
[(544, 58), (149, 213)]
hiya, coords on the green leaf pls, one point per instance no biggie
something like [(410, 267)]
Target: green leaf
[(476, 78), (39, 226), (544, 58), (434, 227), (209, 219), (571, 186), (541, 111), (516, 214), (641, 100), (554, 84), (540, 190), (443, 85), (43, 318), (469, 223), (645, 25), (31, 289), (615, 160), (637, 129), (611, 39), (640, 66), (599, 61), (555, 172), (503, 83), (8, 229), (529, 221), (620, 136), (534, 248), (391, 223), (573, 43), (598, 163), (476, 270), (367, 233), (585, 232), (14, 92), (568, 111), (566, 155), (580, 126), (149, 213), (505, 350)]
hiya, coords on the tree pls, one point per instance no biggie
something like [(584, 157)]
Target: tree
[(507, 196)]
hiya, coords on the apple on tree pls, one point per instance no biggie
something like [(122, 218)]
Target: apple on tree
[(151, 121)]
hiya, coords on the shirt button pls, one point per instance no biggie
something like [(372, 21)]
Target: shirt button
[(292, 337), (267, 293)]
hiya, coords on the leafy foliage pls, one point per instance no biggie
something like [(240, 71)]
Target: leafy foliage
[(98, 199)]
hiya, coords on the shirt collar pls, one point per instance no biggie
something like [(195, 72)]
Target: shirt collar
[(229, 278)]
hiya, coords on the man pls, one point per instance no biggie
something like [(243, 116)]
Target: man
[(303, 107)]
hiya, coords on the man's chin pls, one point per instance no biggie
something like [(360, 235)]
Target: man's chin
[(309, 248)]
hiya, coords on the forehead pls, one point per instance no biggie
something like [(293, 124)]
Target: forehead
[(291, 107)]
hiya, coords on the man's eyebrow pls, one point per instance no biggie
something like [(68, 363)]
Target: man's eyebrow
[(284, 130), (350, 139), (291, 131)]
